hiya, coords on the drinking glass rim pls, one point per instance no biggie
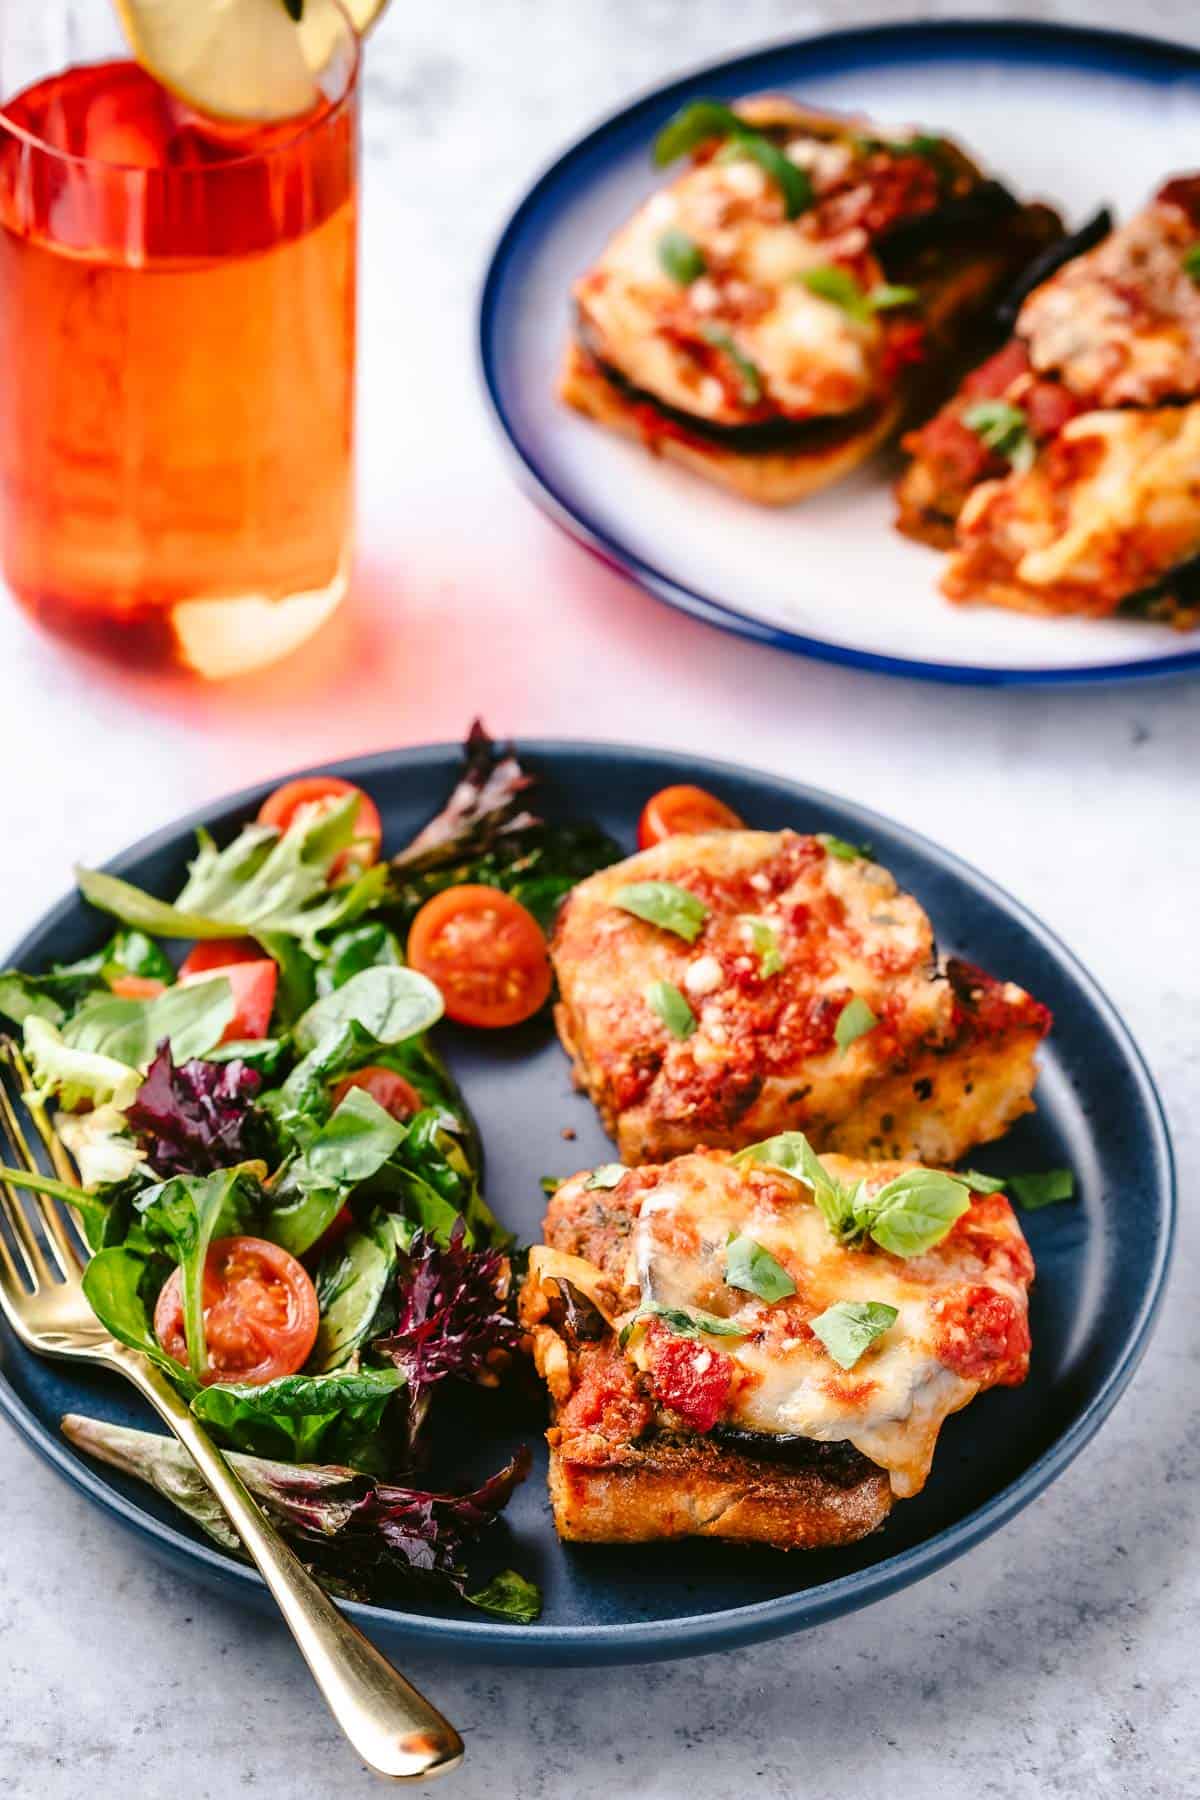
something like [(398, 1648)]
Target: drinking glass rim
[(336, 109)]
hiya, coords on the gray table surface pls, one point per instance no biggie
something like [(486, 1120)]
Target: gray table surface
[(1059, 1657)]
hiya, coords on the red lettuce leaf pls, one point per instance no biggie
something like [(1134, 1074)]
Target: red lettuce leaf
[(196, 1117)]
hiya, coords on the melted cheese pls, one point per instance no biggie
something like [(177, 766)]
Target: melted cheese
[(892, 1403)]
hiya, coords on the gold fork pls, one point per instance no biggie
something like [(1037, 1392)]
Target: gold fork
[(393, 1728)]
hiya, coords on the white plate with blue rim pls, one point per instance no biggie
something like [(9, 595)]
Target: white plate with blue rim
[(1076, 116)]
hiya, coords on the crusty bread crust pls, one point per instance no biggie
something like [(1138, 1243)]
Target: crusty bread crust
[(772, 478), (662, 1489)]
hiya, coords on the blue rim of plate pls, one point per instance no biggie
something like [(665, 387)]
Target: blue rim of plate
[(698, 1633), (1069, 45)]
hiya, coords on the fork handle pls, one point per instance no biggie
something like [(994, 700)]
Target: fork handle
[(394, 1728)]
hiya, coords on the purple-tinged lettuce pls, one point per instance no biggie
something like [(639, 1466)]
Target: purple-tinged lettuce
[(197, 1116)]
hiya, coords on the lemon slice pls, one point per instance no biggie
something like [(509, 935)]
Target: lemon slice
[(238, 59)]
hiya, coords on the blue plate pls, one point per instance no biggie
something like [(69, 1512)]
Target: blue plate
[(1101, 1261), (1072, 115)]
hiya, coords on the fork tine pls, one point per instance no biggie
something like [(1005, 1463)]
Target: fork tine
[(69, 1259), (18, 1219)]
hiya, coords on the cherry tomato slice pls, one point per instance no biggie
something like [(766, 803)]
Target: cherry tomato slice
[(386, 1088), (253, 985), (674, 810), (260, 1312), (137, 987), (219, 953), (281, 807), (485, 952)]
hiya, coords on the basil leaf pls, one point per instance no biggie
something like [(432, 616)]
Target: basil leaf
[(1191, 262), (849, 1327), (854, 1021), (844, 851), (889, 296), (681, 256), (664, 998), (666, 905), (751, 380), (1035, 1191), (1004, 429), (983, 1184), (792, 1153), (683, 1322), (754, 1270), (914, 1212), (793, 182), (606, 1176), (508, 1596), (694, 124), (390, 1004), (829, 282), (765, 940), (192, 1017)]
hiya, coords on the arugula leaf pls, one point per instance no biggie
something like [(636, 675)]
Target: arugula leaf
[(853, 1022), (606, 1176), (681, 256), (914, 1212), (765, 940), (694, 124), (751, 1267), (1035, 1191), (836, 846), (351, 1282), (264, 881), (849, 1327), (70, 1075), (684, 1322), (665, 999), (390, 1004), (299, 1417), (192, 1019), (1004, 429), (182, 1216), (121, 1287), (749, 374), (665, 904)]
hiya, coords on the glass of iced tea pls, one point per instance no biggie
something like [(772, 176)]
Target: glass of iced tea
[(177, 315)]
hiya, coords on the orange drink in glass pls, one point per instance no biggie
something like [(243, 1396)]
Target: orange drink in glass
[(177, 308)]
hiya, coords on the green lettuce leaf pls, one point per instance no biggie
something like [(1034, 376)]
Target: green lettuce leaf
[(70, 1075), (193, 1018)]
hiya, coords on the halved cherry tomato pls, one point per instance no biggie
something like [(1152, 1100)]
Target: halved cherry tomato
[(674, 810), (280, 809), (137, 987), (386, 1088), (485, 952), (260, 1312), (219, 953), (253, 985)]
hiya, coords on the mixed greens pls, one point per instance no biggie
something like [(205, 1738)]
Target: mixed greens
[(282, 1182)]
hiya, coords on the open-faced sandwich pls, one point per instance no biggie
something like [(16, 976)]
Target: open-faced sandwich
[(764, 1347), (1065, 473), (776, 313), (720, 987)]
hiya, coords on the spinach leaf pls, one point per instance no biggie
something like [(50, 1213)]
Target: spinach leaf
[(182, 1216), (297, 987), (849, 1327), (264, 881), (750, 1267), (352, 1282), (300, 1417), (121, 1287), (390, 1004), (359, 947), (665, 904), (55, 995), (351, 1147), (266, 1056), (192, 1018)]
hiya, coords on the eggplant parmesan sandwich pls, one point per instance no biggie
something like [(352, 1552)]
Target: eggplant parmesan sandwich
[(781, 308), (1064, 476), (763, 1347), (723, 986)]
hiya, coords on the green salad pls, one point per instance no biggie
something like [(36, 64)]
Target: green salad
[(282, 1184)]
